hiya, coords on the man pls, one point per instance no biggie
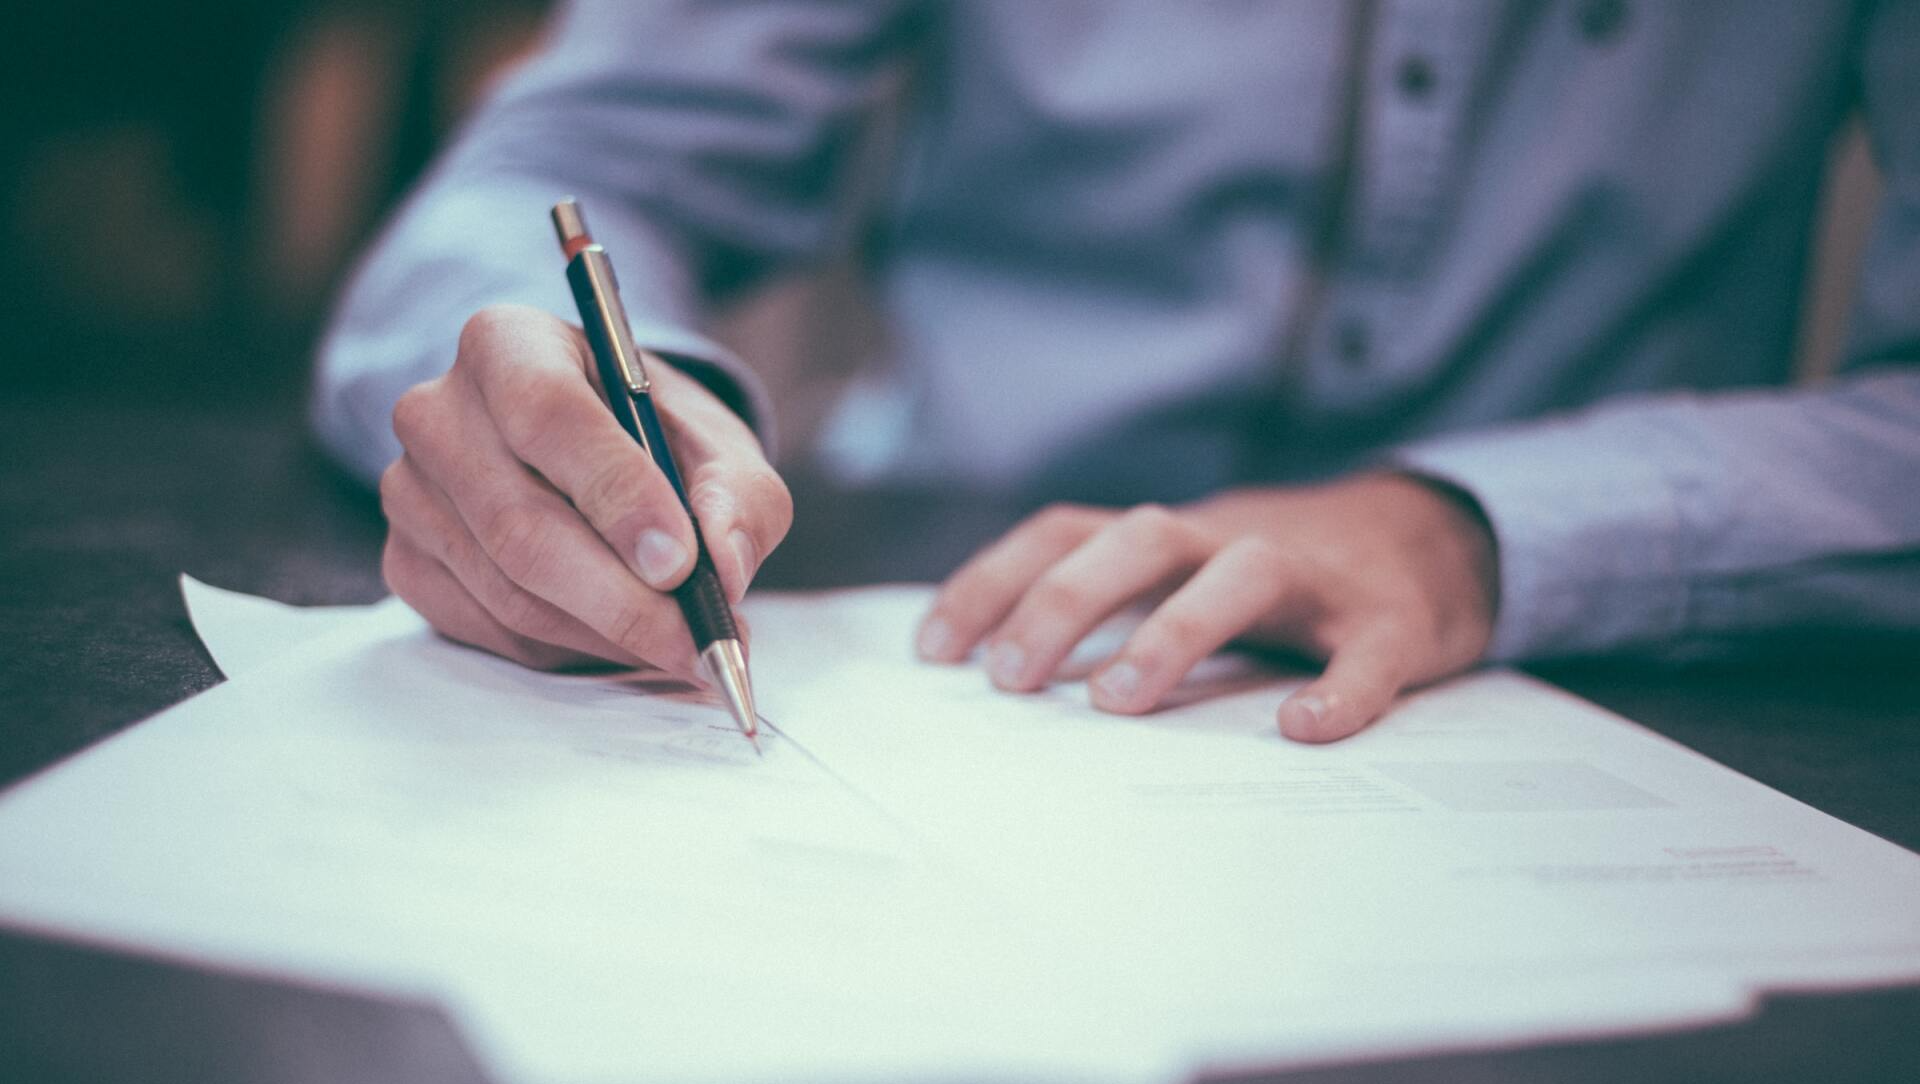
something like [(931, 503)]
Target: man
[(1513, 286)]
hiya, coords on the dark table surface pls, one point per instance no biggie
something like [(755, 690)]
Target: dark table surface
[(102, 506)]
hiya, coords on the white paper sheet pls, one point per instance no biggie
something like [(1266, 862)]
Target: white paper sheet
[(926, 879), (245, 632)]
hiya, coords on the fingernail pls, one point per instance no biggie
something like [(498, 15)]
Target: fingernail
[(1307, 713), (659, 556), (1005, 664), (745, 557), (936, 636), (1118, 683)]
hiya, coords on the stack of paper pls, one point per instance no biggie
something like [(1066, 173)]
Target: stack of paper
[(923, 878)]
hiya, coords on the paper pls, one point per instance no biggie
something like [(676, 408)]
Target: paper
[(245, 632), (926, 879), (1492, 822), (601, 881)]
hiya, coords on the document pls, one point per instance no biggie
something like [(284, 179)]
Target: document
[(926, 879), (244, 632)]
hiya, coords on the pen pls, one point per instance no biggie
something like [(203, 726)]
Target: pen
[(623, 373)]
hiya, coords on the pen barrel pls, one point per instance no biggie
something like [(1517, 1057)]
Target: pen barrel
[(704, 604), (702, 600), (701, 597)]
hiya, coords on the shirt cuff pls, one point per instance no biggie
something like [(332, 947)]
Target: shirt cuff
[(727, 377), (1588, 534)]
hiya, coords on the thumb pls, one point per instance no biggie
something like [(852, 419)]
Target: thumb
[(740, 504), (1359, 683)]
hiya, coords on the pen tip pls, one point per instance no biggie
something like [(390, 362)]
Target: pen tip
[(727, 665)]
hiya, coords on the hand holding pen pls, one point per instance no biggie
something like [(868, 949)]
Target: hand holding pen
[(626, 378), (524, 520)]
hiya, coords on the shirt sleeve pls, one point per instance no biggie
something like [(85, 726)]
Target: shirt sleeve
[(1685, 524), (706, 141)]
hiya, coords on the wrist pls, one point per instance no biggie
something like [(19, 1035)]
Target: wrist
[(1458, 547)]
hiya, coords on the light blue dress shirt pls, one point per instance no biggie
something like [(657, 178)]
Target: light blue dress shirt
[(1550, 252)]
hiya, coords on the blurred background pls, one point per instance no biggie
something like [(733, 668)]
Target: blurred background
[(185, 185)]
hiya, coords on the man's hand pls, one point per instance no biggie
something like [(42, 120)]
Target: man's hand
[(522, 519), (1390, 580)]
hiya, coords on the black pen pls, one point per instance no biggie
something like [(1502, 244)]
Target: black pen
[(623, 373)]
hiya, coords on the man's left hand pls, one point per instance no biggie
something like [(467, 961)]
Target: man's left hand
[(1391, 580)]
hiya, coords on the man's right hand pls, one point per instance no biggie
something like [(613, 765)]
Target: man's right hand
[(522, 519)]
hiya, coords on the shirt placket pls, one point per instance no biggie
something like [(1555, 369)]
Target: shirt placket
[(1415, 100)]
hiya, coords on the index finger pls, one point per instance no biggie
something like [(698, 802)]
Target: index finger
[(985, 589), (532, 375)]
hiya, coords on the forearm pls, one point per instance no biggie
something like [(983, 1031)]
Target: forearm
[(1669, 523), (704, 164)]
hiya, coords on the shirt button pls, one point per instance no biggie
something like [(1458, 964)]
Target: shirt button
[(1415, 77), (1601, 20), (1352, 342)]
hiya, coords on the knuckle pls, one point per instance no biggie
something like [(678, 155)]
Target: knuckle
[(1258, 556), (1175, 635), (537, 411), (766, 491), (391, 488), (461, 552), (637, 628), (1057, 596), (1147, 650), (487, 329), (536, 621), (413, 413), (1150, 521), (519, 540), (397, 570), (523, 614), (612, 490), (711, 498), (1154, 528), (1062, 522)]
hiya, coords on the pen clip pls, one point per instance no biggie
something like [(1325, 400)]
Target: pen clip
[(627, 354), (597, 288)]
